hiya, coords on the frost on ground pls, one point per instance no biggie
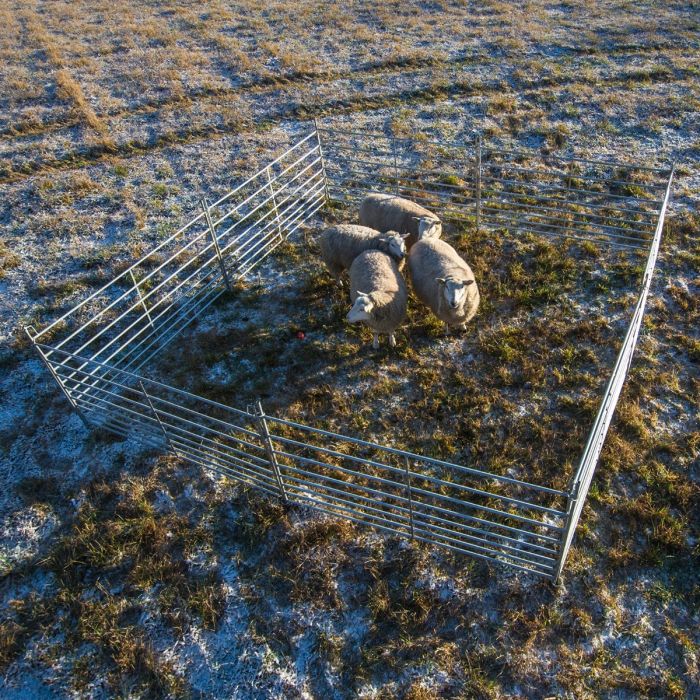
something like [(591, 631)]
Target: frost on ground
[(124, 572)]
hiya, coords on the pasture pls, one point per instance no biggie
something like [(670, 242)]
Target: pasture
[(127, 573)]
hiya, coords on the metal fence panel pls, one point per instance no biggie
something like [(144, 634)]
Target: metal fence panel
[(524, 192), (128, 321), (584, 474)]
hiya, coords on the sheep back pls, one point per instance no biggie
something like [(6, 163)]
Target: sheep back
[(386, 212), (377, 274), (341, 244), (432, 259)]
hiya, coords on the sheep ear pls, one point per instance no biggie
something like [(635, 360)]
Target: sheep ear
[(468, 282), (404, 235), (362, 294)]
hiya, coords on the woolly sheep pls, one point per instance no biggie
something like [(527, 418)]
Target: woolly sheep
[(341, 244), (378, 293), (443, 281), (388, 212)]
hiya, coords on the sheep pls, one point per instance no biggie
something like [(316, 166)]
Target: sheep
[(443, 282), (341, 244), (378, 293), (386, 211)]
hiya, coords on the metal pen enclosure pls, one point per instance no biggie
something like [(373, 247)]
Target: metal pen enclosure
[(96, 351)]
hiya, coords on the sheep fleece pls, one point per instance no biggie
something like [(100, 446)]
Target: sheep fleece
[(341, 244), (376, 274), (433, 258), (386, 212)]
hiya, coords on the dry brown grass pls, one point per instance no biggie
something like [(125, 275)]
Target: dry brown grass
[(68, 88), (169, 87), (119, 541), (192, 57), (9, 260)]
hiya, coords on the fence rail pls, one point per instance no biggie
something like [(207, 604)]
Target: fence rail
[(600, 201), (97, 350), (472, 511)]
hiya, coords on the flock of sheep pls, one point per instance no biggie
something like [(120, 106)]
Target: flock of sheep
[(390, 229)]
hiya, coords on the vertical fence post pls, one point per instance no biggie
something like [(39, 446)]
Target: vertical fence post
[(54, 374), (477, 178), (565, 541), (157, 417), (410, 496), (141, 299), (215, 241), (272, 457), (274, 201), (396, 166), (323, 163)]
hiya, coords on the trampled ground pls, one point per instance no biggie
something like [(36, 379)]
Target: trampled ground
[(123, 572)]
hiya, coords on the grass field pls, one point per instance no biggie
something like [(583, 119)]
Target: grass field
[(125, 573)]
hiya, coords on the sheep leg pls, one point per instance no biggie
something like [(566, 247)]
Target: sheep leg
[(336, 272), (375, 341), (392, 340)]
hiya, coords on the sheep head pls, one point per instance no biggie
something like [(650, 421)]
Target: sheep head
[(454, 291), (394, 244), (362, 308), (429, 228)]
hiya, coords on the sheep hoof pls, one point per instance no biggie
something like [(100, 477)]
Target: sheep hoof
[(392, 341), (375, 342)]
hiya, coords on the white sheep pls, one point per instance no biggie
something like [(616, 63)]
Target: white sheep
[(341, 244), (387, 212), (443, 281), (378, 293)]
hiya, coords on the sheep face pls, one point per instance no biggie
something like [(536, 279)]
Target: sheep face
[(454, 292), (429, 228), (395, 245), (362, 308)]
